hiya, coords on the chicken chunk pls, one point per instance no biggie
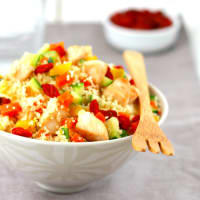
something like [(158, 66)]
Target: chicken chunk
[(75, 53), (21, 69), (122, 91), (91, 127), (52, 116), (96, 69)]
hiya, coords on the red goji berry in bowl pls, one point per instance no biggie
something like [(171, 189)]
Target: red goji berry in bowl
[(144, 33)]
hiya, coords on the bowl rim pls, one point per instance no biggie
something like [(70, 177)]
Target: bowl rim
[(155, 90), (146, 33)]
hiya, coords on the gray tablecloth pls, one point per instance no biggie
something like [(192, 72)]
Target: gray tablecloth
[(147, 176)]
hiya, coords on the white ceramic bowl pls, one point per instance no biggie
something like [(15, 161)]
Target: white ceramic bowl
[(141, 40), (68, 167)]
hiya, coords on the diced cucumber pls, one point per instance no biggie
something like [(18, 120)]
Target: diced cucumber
[(152, 97), (27, 58), (124, 133), (34, 84), (36, 59), (77, 98), (44, 49), (65, 132), (53, 55), (106, 82), (81, 61), (112, 125), (78, 87), (155, 111), (50, 60)]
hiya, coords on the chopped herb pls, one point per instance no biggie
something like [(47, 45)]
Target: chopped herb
[(90, 98), (152, 97), (81, 61), (155, 111), (124, 133), (50, 60), (65, 132)]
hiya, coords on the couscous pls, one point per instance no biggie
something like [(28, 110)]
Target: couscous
[(69, 95)]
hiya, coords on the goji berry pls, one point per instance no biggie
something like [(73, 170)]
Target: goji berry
[(109, 74), (43, 68), (132, 82), (21, 132), (50, 90), (124, 122), (94, 106), (4, 100)]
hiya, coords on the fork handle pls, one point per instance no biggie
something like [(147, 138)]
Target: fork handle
[(138, 72)]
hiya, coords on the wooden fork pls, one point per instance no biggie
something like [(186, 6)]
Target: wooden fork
[(148, 132)]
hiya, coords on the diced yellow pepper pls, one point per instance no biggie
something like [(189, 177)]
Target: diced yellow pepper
[(74, 109), (4, 87), (60, 69), (1, 76), (156, 117), (92, 58), (26, 124), (1, 127), (117, 72)]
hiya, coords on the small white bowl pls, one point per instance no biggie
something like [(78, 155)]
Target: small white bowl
[(68, 167), (145, 41)]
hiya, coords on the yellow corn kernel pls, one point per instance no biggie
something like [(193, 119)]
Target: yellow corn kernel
[(60, 69), (1, 127), (92, 58), (117, 72), (1, 76)]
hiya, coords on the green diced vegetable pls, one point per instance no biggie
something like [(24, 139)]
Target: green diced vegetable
[(90, 98), (44, 49), (152, 97), (50, 60), (155, 111), (53, 55), (124, 133), (65, 132), (106, 82), (36, 60), (78, 87), (53, 77), (112, 125), (81, 61), (77, 98), (34, 84)]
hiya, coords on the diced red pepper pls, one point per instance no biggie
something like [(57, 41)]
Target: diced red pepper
[(65, 99), (124, 121), (21, 132), (119, 67), (153, 104), (50, 90), (77, 138), (132, 82), (70, 122), (43, 68), (10, 110), (94, 106), (109, 74), (59, 48), (39, 110), (64, 79), (4, 100), (86, 82), (100, 116)]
